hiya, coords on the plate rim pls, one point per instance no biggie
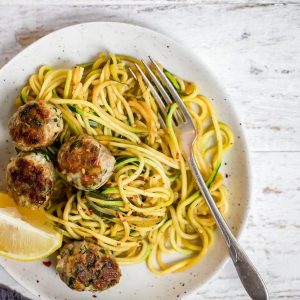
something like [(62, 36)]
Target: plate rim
[(214, 77)]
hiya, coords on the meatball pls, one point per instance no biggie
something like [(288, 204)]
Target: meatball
[(30, 179), (35, 125), (86, 163), (83, 267)]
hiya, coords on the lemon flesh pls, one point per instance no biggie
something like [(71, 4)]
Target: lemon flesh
[(25, 234)]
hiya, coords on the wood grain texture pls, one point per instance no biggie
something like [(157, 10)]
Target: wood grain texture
[(240, 3), (253, 48)]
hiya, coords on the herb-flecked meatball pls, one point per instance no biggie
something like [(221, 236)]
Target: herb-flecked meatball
[(30, 179), (34, 125), (86, 163), (83, 267)]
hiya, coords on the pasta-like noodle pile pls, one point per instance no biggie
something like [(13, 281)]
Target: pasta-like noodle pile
[(151, 205)]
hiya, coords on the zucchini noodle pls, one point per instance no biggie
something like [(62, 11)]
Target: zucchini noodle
[(151, 206)]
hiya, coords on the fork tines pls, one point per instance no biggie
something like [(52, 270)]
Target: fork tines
[(162, 98)]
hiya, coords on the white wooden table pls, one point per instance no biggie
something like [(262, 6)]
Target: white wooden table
[(254, 48)]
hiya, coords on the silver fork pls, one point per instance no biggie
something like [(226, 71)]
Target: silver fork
[(186, 134)]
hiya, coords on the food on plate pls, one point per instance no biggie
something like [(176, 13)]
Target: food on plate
[(30, 178), (34, 125), (123, 179), (85, 162), (83, 267), (24, 233)]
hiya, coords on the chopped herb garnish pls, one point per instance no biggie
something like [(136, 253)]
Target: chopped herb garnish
[(75, 144), (97, 274), (36, 122), (73, 109), (42, 152), (83, 249), (71, 282)]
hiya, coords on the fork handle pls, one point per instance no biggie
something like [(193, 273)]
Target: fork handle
[(249, 276)]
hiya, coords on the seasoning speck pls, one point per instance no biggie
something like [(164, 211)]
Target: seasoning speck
[(47, 263)]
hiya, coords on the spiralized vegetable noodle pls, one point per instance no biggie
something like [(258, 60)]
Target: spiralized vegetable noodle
[(151, 205)]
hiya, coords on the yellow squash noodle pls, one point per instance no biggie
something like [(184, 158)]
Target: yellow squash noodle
[(151, 206)]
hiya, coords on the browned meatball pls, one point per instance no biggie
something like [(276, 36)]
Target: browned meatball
[(86, 163), (30, 179), (83, 267), (35, 125)]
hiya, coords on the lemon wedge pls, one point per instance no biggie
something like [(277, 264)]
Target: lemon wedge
[(24, 233)]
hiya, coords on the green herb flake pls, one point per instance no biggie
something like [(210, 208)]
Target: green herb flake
[(72, 108), (37, 122), (71, 282), (76, 144), (83, 249)]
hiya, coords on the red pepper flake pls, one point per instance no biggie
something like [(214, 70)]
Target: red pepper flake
[(177, 155), (117, 215), (142, 178), (94, 239), (47, 263)]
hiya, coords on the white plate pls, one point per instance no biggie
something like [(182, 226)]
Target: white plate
[(79, 44)]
